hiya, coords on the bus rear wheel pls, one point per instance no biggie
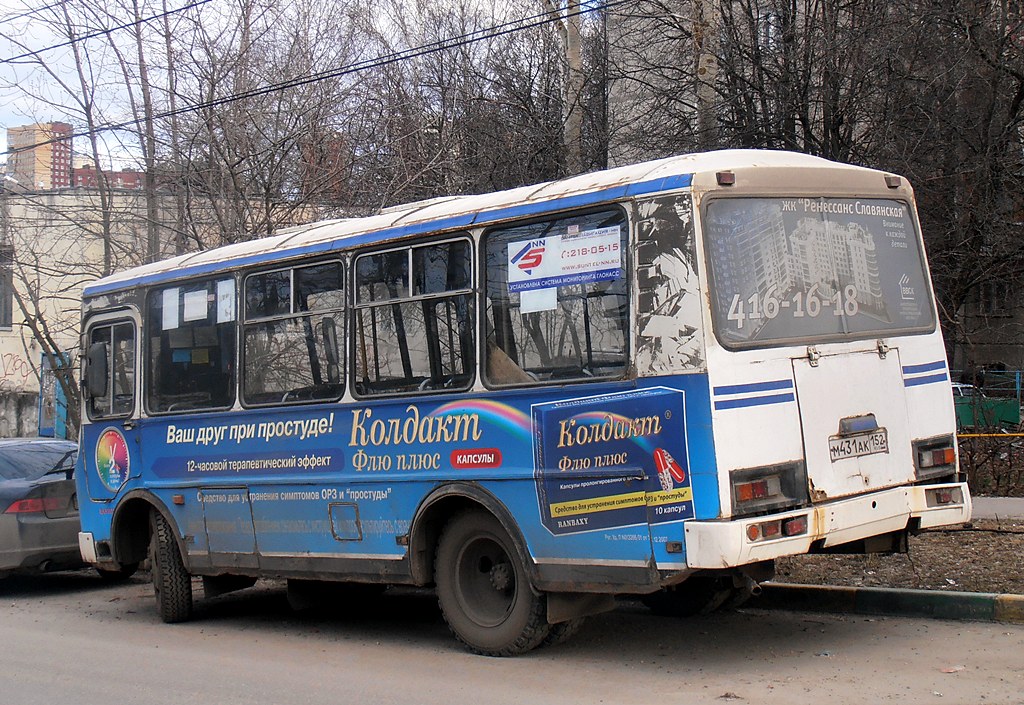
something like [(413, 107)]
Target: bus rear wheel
[(172, 584), (483, 589)]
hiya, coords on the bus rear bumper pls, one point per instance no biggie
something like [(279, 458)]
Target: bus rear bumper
[(725, 544)]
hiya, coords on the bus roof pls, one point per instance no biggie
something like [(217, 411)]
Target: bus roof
[(455, 212)]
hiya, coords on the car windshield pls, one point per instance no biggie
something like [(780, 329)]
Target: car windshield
[(31, 461)]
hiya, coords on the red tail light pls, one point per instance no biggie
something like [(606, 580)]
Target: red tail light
[(35, 505), (777, 528), (758, 489)]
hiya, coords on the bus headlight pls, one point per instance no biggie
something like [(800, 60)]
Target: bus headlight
[(769, 488)]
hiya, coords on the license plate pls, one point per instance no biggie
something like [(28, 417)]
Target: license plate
[(861, 444)]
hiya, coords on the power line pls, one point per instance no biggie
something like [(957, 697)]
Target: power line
[(100, 32), (466, 39)]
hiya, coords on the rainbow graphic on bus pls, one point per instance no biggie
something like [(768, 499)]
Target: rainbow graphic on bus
[(502, 416), (112, 460)]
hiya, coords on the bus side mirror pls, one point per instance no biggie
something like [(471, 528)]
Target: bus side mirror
[(96, 372)]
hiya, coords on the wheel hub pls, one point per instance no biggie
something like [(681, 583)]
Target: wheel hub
[(501, 577)]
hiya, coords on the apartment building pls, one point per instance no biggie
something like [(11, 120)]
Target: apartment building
[(40, 156)]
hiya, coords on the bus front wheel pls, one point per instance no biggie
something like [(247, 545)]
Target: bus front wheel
[(483, 589), (171, 582)]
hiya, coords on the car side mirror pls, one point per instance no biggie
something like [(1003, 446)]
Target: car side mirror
[(96, 372)]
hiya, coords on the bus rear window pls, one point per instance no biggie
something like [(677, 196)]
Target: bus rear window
[(789, 270)]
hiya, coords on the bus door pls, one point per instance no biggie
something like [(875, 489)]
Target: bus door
[(110, 445), (853, 414)]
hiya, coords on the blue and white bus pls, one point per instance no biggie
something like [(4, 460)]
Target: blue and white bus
[(652, 380)]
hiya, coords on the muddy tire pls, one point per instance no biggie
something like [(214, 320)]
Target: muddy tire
[(171, 582), (563, 631), (483, 589)]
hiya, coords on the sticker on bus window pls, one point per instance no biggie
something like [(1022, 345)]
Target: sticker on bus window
[(593, 254), (226, 301), (195, 306), (563, 260), (169, 309), (538, 300), (534, 264)]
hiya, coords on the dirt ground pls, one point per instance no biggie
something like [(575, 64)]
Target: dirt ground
[(983, 556)]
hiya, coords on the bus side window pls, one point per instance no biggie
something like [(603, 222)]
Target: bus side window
[(191, 333), (290, 349), (557, 301), (414, 319)]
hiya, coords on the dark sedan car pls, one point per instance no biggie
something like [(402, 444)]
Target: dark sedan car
[(38, 506)]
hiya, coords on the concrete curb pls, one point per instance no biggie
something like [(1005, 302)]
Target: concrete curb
[(936, 604)]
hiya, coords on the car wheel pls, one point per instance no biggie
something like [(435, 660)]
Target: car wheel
[(171, 582), (483, 590)]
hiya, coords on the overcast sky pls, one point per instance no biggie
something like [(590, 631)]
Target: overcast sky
[(15, 107)]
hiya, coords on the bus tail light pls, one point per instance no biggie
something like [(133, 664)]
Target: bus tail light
[(769, 488), (935, 458), (778, 528), (942, 496)]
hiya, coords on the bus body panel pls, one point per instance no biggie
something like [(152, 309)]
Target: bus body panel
[(340, 480)]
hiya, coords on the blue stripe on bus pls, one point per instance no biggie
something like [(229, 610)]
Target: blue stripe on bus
[(930, 379), (755, 387), (754, 401), (461, 221), (926, 367)]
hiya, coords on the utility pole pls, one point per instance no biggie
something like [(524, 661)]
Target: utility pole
[(572, 132), (704, 31)]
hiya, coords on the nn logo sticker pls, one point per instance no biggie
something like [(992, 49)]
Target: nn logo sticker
[(530, 257)]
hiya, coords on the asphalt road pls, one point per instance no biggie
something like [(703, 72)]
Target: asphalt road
[(68, 638)]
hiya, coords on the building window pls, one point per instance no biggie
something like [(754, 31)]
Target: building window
[(994, 299), (6, 286)]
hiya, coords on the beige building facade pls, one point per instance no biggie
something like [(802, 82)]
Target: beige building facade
[(52, 243), (40, 156)]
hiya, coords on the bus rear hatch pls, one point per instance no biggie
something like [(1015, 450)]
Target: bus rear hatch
[(853, 415)]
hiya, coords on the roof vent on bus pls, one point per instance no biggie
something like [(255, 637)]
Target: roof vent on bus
[(892, 181), (726, 178)]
